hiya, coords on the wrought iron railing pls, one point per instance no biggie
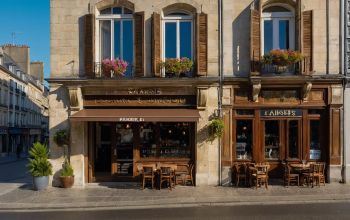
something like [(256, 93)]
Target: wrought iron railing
[(301, 68)]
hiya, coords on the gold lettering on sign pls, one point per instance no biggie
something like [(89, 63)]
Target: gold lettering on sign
[(144, 92), (281, 112), (141, 101), (132, 119)]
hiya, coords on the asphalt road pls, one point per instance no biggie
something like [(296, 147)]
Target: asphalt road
[(319, 211)]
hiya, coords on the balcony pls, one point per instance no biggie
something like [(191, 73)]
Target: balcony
[(301, 68)]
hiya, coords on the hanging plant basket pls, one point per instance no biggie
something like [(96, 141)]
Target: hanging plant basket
[(216, 129), (61, 138)]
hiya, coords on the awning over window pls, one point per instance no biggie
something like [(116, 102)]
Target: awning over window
[(137, 115)]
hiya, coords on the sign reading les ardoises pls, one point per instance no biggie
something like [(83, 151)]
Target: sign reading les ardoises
[(281, 113)]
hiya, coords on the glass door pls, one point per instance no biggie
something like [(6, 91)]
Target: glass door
[(282, 139), (122, 164), (102, 151)]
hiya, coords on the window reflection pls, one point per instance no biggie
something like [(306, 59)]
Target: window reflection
[(315, 148), (272, 140), (244, 135), (165, 140), (293, 135)]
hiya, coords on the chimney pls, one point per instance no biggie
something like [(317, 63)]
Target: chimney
[(20, 54), (37, 70)]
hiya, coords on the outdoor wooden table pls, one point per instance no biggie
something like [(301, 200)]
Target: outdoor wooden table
[(300, 168)]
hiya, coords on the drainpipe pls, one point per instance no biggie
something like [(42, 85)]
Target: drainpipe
[(343, 71), (220, 9), (327, 35)]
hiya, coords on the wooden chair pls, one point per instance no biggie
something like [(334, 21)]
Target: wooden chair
[(167, 175), (289, 176), (147, 175), (184, 174), (240, 171), (316, 174), (260, 175)]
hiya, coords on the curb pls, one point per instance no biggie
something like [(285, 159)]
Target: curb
[(166, 205)]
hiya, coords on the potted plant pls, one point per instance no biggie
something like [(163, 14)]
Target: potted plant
[(39, 166), (281, 59), (215, 128), (177, 67), (115, 68), (67, 175), (61, 138)]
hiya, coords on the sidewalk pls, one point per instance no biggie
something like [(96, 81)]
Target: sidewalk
[(107, 196)]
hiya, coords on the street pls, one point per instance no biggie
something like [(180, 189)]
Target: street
[(319, 211)]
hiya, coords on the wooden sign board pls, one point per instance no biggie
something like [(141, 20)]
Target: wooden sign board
[(134, 101), (281, 113)]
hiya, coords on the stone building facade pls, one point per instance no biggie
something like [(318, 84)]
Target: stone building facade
[(250, 96), (24, 101)]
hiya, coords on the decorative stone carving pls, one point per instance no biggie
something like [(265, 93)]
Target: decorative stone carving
[(337, 95), (75, 98), (227, 95), (306, 91), (202, 96), (256, 87)]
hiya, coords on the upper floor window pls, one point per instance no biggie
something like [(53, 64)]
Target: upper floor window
[(178, 35), (278, 29), (116, 35)]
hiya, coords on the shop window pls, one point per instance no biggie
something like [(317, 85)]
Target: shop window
[(278, 29), (117, 35), (315, 147), (272, 140), (165, 140), (293, 138), (244, 134)]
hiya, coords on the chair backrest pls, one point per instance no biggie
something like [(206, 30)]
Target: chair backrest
[(318, 168), (262, 169), (147, 169), (166, 170)]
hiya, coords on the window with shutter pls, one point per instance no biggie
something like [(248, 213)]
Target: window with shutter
[(202, 44), (255, 40), (139, 43), (118, 38)]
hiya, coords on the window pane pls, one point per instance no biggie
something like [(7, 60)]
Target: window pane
[(244, 135), (128, 45), (175, 140), (170, 40), (105, 39), (272, 140), (293, 139), (148, 140), (117, 11), (268, 36), (315, 148), (284, 34), (186, 39), (117, 40)]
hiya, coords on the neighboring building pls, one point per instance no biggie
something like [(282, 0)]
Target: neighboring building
[(24, 102), (346, 71), (117, 123)]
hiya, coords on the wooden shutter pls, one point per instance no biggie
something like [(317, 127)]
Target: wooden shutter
[(89, 45), (298, 13), (139, 19), (156, 44), (226, 153), (255, 40), (202, 44), (307, 41)]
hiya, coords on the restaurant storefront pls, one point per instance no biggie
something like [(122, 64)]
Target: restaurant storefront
[(283, 123), (140, 126)]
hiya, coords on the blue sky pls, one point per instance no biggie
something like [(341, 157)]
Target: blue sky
[(31, 19)]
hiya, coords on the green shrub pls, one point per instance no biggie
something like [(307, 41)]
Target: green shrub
[(39, 150), (38, 163), (40, 167), (67, 169), (216, 128), (61, 137)]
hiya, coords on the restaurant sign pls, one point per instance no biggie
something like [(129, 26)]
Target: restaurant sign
[(159, 100), (281, 113), (132, 119)]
